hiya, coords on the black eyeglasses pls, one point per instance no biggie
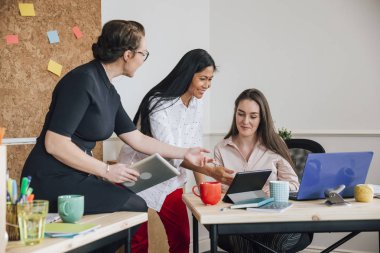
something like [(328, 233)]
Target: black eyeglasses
[(144, 54)]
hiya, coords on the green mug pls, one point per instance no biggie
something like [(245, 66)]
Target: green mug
[(70, 208)]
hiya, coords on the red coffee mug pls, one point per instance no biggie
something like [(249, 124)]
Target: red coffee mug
[(210, 192)]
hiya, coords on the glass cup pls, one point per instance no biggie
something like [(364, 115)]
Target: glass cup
[(32, 219)]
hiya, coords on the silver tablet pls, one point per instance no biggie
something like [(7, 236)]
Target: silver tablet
[(153, 170)]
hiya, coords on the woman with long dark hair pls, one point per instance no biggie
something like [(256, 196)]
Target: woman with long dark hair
[(172, 113), (253, 144)]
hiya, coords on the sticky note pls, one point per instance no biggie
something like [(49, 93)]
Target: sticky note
[(2, 132), (11, 39), (77, 32), (53, 36), (26, 10), (55, 67)]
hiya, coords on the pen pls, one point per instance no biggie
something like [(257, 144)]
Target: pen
[(14, 191), (30, 198), (29, 191), (8, 198), (9, 188), (24, 187)]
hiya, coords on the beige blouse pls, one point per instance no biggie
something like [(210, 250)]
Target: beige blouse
[(227, 154)]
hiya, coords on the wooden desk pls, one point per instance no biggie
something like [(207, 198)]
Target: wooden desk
[(304, 216), (114, 227)]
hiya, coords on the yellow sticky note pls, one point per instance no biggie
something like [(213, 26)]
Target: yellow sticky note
[(26, 9), (55, 67)]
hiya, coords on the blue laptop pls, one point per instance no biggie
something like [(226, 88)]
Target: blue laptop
[(329, 170)]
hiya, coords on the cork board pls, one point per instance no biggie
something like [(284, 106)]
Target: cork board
[(25, 84)]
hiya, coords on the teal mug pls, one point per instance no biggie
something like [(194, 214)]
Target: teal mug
[(279, 190), (70, 208)]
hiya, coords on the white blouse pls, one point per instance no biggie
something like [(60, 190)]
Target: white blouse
[(175, 124), (227, 154)]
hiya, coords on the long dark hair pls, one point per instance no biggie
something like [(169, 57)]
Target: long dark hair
[(173, 86), (266, 132), (117, 37)]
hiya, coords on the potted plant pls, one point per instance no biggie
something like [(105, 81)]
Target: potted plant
[(284, 133)]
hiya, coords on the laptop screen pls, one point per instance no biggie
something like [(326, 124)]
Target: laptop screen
[(329, 170)]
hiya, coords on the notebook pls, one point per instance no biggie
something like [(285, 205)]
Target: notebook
[(256, 202), (329, 170), (68, 230)]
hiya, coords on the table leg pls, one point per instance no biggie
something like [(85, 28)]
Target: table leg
[(195, 235), (127, 244), (214, 238)]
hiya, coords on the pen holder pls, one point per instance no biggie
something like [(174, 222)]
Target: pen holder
[(12, 223)]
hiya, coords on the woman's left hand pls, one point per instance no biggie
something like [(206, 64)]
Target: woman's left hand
[(196, 156)]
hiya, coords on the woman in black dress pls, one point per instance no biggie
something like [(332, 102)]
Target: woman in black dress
[(86, 108)]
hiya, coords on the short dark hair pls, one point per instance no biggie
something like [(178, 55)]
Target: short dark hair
[(117, 37), (266, 132), (173, 86)]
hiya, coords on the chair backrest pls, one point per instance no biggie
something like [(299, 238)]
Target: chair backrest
[(299, 150)]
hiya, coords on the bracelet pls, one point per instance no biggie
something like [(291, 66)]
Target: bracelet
[(108, 168)]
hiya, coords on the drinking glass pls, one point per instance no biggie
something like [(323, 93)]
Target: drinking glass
[(31, 220)]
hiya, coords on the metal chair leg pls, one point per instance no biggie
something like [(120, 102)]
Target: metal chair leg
[(340, 242)]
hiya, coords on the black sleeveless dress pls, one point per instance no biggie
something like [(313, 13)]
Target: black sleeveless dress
[(85, 107)]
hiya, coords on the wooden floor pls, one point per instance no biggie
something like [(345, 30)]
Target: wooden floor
[(158, 241)]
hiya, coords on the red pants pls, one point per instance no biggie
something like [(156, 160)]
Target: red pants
[(173, 215)]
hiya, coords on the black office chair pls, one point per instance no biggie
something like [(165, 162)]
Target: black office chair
[(299, 149)]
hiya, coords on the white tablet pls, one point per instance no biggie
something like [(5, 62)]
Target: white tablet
[(153, 170)]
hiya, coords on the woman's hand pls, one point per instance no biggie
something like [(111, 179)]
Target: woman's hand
[(222, 174), (119, 173), (196, 156)]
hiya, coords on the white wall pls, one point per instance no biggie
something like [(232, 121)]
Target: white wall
[(172, 28), (317, 61)]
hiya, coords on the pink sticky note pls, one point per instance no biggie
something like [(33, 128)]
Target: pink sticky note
[(77, 32), (11, 39)]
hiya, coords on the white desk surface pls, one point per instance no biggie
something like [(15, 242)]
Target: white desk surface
[(111, 223), (314, 210)]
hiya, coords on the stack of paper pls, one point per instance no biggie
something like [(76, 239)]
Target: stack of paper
[(52, 217), (272, 207), (68, 230)]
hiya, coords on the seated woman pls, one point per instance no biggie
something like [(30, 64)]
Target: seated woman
[(252, 144)]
